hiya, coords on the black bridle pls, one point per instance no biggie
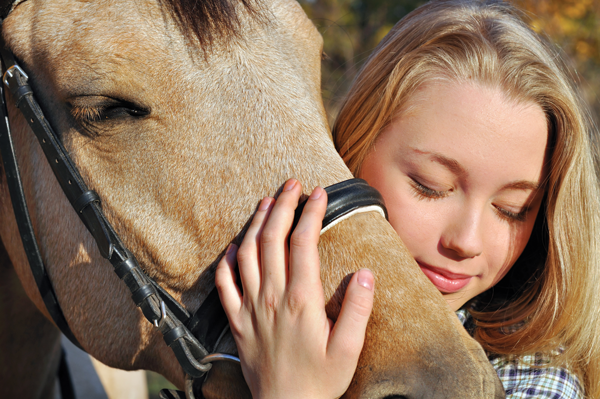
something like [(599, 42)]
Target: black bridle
[(192, 337)]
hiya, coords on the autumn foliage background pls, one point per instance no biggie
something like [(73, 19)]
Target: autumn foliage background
[(352, 28)]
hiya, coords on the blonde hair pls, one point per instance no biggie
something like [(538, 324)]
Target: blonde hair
[(487, 42)]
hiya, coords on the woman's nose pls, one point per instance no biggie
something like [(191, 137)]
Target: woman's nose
[(462, 235)]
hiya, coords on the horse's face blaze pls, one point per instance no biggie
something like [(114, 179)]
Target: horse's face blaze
[(181, 143)]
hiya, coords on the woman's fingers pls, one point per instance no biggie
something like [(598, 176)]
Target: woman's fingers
[(225, 277), (274, 251), (304, 264), (348, 335), (282, 350), (248, 255)]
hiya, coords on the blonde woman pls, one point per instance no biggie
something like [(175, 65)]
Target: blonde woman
[(472, 130)]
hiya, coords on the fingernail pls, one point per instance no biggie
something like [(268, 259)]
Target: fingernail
[(290, 184), (364, 277), (316, 194), (264, 204), (229, 249)]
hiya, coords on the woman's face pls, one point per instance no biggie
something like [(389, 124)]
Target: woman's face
[(461, 171)]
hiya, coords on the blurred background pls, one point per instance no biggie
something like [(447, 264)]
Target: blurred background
[(352, 28)]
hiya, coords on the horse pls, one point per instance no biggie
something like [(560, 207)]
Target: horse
[(182, 115)]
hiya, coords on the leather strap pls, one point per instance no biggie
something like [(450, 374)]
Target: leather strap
[(345, 197), (209, 321), (15, 188), (67, 391)]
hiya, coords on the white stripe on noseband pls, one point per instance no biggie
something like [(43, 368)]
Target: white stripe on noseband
[(16, 3), (370, 208)]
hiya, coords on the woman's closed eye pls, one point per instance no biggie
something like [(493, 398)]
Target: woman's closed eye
[(512, 216), (424, 192)]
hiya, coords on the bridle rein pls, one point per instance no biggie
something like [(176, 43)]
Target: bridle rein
[(192, 337)]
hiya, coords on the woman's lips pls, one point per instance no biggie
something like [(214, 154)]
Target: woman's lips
[(445, 281)]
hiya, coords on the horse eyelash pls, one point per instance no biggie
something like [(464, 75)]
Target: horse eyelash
[(86, 114)]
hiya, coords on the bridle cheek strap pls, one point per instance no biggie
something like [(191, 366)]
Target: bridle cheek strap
[(17, 196)]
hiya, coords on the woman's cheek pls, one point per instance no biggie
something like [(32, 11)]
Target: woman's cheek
[(417, 223), (504, 243)]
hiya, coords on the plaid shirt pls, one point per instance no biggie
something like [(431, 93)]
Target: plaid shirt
[(522, 380)]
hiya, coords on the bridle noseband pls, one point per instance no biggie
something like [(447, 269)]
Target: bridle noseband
[(192, 337)]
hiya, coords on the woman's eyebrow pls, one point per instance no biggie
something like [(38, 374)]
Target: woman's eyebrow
[(449, 163), (522, 185)]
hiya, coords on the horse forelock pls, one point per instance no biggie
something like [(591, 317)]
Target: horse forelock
[(207, 20)]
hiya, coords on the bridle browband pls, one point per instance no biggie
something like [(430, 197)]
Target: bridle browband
[(192, 337)]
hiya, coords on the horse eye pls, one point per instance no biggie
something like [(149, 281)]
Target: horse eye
[(95, 109), (120, 112)]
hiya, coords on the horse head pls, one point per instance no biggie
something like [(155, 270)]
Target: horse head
[(181, 116)]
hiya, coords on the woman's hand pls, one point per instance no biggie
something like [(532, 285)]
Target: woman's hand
[(287, 345)]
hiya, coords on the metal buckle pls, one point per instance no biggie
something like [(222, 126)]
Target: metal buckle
[(163, 315), (213, 357), (220, 357), (9, 72)]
